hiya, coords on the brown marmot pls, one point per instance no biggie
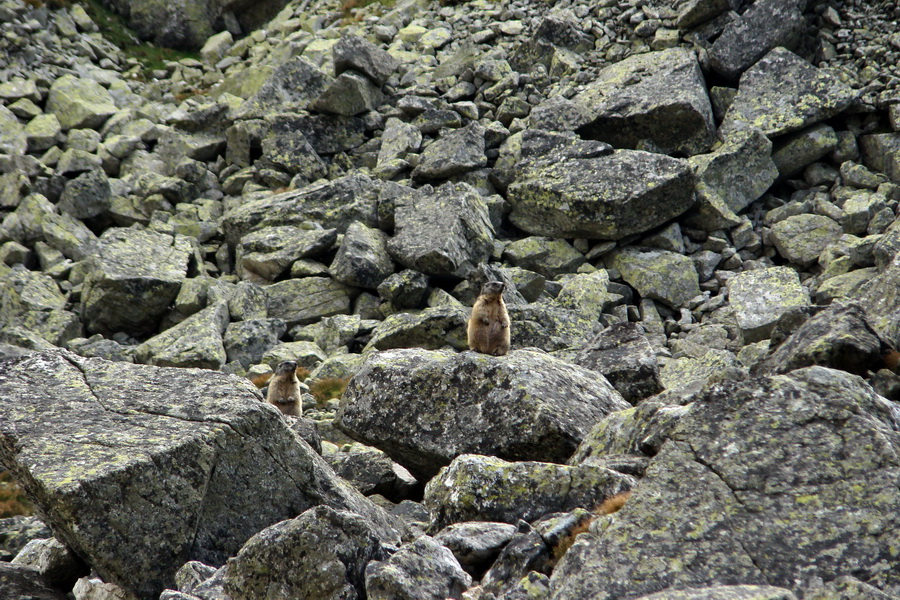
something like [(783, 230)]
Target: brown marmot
[(488, 330), (284, 389)]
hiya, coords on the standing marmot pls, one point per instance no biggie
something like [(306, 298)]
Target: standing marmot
[(284, 389), (488, 330)]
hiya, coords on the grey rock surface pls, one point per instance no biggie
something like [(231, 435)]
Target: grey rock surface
[(401, 402), (624, 356), (183, 468), (760, 297), (727, 457), (422, 570)]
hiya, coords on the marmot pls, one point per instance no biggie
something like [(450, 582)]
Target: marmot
[(284, 389), (488, 330)]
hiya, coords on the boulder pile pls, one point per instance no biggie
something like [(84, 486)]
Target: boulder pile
[(693, 204)]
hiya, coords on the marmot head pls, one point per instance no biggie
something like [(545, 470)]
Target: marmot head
[(286, 367), (493, 288)]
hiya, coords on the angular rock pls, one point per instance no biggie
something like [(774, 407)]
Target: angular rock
[(333, 204), (880, 298), (838, 337), (402, 402), (371, 471), (802, 238), (657, 274), (725, 592), (881, 152), (476, 544), (761, 296), (320, 554), (269, 251), (445, 231), (55, 563), (397, 141), (195, 342), (804, 148), (486, 488), (25, 582), (16, 532), (33, 301), (731, 177), (354, 52), (247, 341), (13, 137), (546, 256), (70, 236), (783, 93), (586, 293), (42, 133), (289, 88), (132, 279), (406, 289), (422, 570), (287, 148), (349, 94), (432, 328), (653, 101), (452, 154), (86, 196), (363, 259), (695, 12), (771, 475), (623, 355), (139, 469), (79, 103), (767, 24), (306, 300), (610, 197), (689, 372), (550, 328)]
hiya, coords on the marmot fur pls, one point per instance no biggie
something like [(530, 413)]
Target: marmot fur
[(488, 330), (284, 389)]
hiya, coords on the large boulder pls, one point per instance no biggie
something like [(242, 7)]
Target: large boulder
[(772, 481), (880, 298), (132, 280), (653, 101), (767, 24), (452, 154), (487, 488), (139, 469), (18, 581), (195, 342), (34, 301), (608, 197), (761, 296), (783, 93), (422, 570), (444, 231), (658, 274), (321, 555), (333, 204), (79, 103), (524, 406)]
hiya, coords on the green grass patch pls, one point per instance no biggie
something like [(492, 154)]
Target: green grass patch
[(114, 28)]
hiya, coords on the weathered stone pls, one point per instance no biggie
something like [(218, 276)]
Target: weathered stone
[(354, 52), (476, 544), (690, 372), (195, 342), (25, 582), (804, 148), (422, 570), (86, 196), (657, 274), (399, 403), (654, 101), (609, 197), (132, 279), (57, 564), (289, 88), (695, 12), (139, 469), (432, 328), (801, 238), (586, 293), (406, 289), (320, 554), (33, 301), (79, 103), (247, 341), (13, 137), (363, 259), (445, 231), (761, 296), (783, 93), (306, 354), (452, 154), (527, 554), (486, 488), (70, 236), (397, 141), (17, 531), (859, 209), (333, 204), (269, 251), (725, 592), (286, 147), (847, 285), (371, 471), (306, 300), (549, 257), (767, 24), (881, 152), (349, 94), (731, 177), (216, 46), (880, 298), (838, 337), (759, 514), (42, 133), (623, 355)]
